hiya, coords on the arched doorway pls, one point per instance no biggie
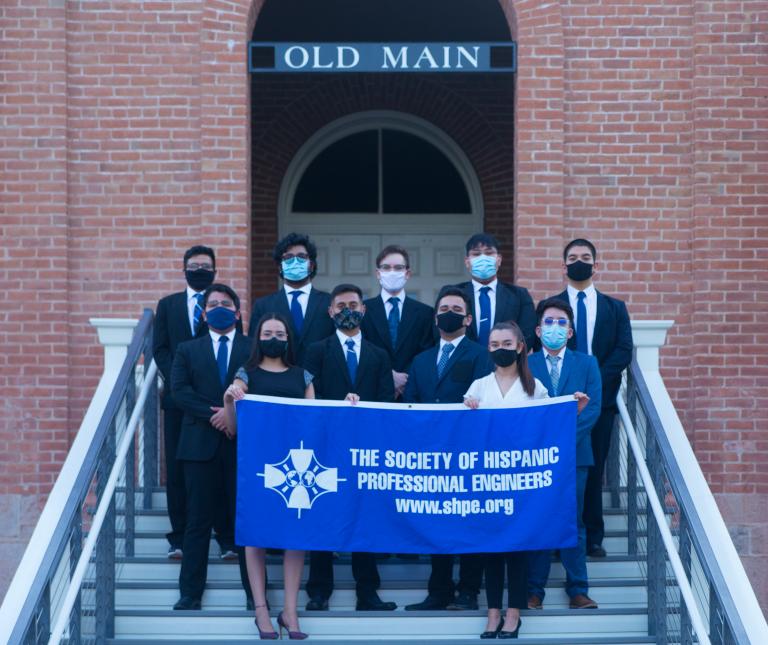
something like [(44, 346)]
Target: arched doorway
[(382, 177)]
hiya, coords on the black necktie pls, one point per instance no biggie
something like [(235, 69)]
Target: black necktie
[(221, 359)]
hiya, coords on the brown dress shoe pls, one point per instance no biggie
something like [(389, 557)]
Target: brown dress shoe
[(580, 601), (534, 602)]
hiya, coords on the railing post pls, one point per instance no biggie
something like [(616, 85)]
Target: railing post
[(632, 488), (684, 540), (129, 505), (613, 469), (41, 626), (105, 548), (75, 548), (151, 425)]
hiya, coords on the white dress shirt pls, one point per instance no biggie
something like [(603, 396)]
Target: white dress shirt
[(486, 390), (303, 298), (357, 338), (191, 302), (385, 296), (491, 295), (215, 336), (455, 342), (591, 304)]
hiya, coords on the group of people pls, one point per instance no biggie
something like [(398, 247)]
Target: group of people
[(483, 342)]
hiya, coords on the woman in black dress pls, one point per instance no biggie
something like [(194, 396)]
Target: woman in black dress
[(269, 372)]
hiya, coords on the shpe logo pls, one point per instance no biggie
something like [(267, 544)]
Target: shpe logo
[(300, 478)]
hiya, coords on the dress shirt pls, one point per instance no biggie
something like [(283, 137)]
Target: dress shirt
[(358, 338), (215, 340), (561, 354), (191, 302), (491, 296), (385, 296), (303, 298), (455, 342), (590, 302), (486, 390)]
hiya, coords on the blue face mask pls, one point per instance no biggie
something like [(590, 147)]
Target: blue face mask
[(554, 336), (483, 266), (295, 269), (221, 318)]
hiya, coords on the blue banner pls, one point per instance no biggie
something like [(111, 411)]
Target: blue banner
[(398, 478), (382, 57)]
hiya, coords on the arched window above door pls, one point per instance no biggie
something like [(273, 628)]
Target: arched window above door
[(381, 170)]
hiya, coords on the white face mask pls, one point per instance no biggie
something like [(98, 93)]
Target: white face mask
[(392, 281)]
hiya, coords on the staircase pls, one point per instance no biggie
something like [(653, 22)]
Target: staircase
[(147, 586)]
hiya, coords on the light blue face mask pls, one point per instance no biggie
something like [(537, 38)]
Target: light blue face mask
[(295, 269), (483, 266), (554, 336)]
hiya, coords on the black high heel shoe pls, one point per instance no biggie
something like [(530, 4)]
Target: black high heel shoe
[(511, 634), (294, 636), (495, 633), (265, 636)]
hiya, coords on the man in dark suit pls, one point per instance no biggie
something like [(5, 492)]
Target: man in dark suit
[(178, 319), (603, 330), (401, 326), (202, 370), (494, 301), (303, 306), (564, 371), (443, 374), (347, 367)]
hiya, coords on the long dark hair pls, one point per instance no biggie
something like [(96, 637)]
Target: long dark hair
[(255, 358), (523, 371)]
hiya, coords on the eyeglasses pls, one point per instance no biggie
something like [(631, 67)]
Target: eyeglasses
[(290, 256), (212, 304), (393, 267), (194, 266), (563, 322)]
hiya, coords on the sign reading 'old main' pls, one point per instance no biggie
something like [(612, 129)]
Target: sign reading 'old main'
[(381, 57)]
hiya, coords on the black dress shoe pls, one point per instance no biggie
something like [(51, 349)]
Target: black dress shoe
[(495, 632), (374, 603), (430, 603), (596, 551), (185, 603), (317, 603), (463, 602)]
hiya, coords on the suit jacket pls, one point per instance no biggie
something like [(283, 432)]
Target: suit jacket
[(611, 343), (513, 304), (578, 373), (317, 323), (170, 329), (326, 361), (468, 362), (196, 387), (414, 334)]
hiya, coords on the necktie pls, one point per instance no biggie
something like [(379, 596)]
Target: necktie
[(296, 313), (221, 359), (393, 319), (197, 313), (351, 360), (444, 357), (485, 317), (554, 371), (581, 323)]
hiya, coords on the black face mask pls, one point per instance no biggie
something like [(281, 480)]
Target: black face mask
[(274, 347), (348, 319), (579, 271), (450, 321), (504, 357), (199, 279)]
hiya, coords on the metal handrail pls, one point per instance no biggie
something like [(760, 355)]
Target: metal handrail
[(58, 539), (101, 512), (661, 521)]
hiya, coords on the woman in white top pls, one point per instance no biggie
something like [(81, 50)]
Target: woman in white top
[(511, 382)]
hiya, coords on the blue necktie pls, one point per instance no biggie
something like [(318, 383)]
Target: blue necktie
[(351, 360), (554, 372), (485, 317), (444, 358), (296, 313), (197, 313), (393, 319), (221, 359), (581, 323)]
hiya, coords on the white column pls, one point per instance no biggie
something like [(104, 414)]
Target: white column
[(649, 336)]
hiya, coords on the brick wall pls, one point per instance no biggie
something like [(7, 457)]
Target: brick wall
[(638, 123)]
